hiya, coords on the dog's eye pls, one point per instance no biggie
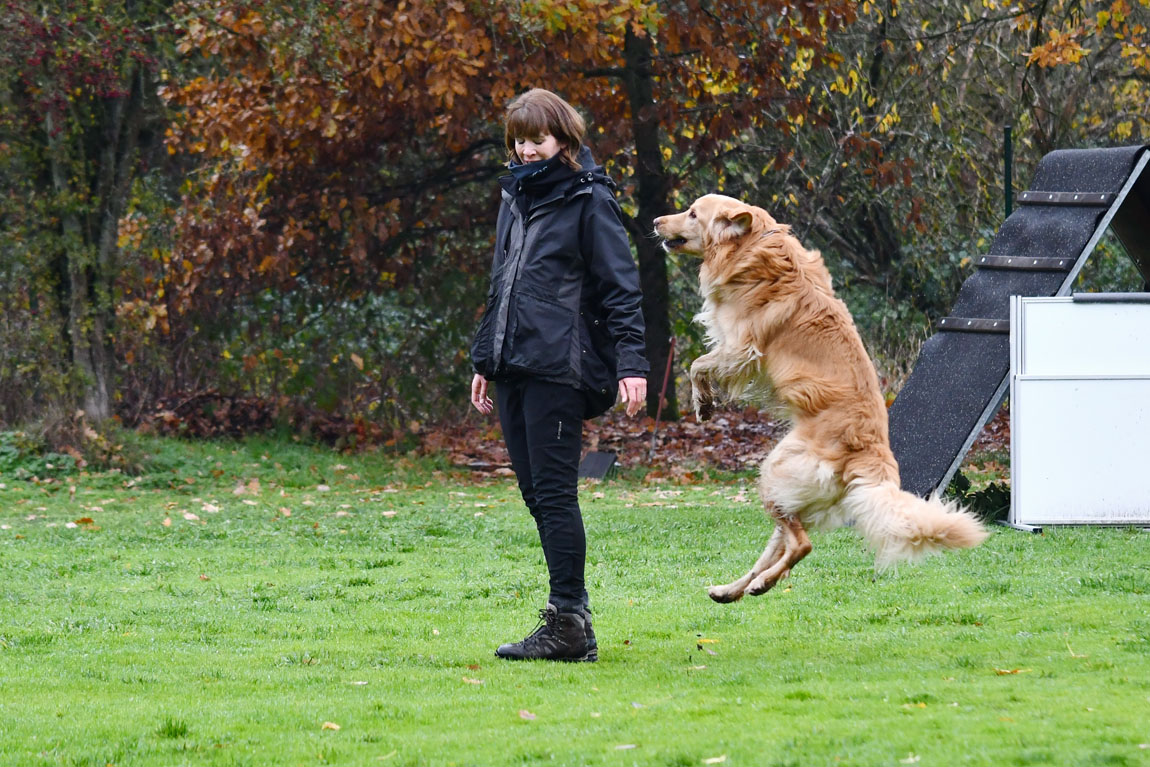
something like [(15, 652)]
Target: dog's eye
[(692, 215)]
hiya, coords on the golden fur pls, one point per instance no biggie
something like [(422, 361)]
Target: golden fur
[(774, 326)]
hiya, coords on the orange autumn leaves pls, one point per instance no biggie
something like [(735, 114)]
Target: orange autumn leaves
[(338, 146)]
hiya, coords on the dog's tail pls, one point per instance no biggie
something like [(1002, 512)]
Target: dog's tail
[(898, 525)]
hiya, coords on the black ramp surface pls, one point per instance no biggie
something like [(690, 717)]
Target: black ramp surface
[(960, 376)]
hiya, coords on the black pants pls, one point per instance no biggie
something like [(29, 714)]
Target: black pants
[(543, 428)]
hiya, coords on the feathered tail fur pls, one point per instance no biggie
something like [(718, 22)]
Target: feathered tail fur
[(898, 525)]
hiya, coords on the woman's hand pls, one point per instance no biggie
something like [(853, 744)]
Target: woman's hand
[(632, 393), (479, 396)]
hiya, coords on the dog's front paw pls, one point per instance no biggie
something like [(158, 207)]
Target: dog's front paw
[(702, 400)]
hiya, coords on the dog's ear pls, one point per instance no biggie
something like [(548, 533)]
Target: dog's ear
[(731, 226)]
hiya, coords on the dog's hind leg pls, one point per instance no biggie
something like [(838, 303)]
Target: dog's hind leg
[(797, 545), (732, 592)]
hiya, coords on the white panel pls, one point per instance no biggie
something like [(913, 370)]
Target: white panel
[(1063, 338), (1082, 451), (1079, 412)]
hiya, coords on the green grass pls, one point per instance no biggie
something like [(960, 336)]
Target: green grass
[(242, 636)]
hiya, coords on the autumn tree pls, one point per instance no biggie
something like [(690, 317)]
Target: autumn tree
[(903, 185), (77, 118), (344, 142)]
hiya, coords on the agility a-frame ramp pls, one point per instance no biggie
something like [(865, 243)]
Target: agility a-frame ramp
[(962, 371)]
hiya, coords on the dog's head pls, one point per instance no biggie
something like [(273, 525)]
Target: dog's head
[(712, 220)]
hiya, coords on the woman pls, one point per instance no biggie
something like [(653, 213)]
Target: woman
[(561, 335)]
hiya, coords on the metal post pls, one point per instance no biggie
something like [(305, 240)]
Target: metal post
[(1008, 170)]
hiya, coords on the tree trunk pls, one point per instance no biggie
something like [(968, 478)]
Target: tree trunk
[(83, 327), (90, 240), (652, 193)]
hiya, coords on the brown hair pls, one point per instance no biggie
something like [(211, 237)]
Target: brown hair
[(539, 112)]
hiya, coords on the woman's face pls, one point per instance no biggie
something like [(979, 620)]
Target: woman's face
[(536, 148)]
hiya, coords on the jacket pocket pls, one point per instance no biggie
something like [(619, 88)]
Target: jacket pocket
[(541, 331), (598, 366)]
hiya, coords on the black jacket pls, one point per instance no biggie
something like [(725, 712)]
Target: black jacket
[(564, 303)]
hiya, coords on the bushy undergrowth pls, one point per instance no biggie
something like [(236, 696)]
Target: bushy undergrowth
[(22, 456)]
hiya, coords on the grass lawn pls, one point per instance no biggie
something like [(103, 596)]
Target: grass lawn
[(265, 603)]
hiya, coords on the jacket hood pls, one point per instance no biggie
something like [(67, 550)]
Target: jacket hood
[(539, 179)]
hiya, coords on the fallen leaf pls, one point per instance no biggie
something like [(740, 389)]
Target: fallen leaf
[(204, 577), (911, 758), (473, 667), (190, 516), (329, 726), (525, 714), (469, 680), (167, 522), (716, 759), (323, 488), (1005, 671), (85, 521), (210, 508), (708, 641), (390, 514), (625, 746)]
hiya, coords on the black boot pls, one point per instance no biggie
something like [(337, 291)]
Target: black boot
[(592, 645), (560, 636)]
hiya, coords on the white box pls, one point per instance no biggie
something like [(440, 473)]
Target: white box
[(1080, 410)]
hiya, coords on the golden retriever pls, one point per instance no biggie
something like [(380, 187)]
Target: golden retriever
[(774, 327)]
